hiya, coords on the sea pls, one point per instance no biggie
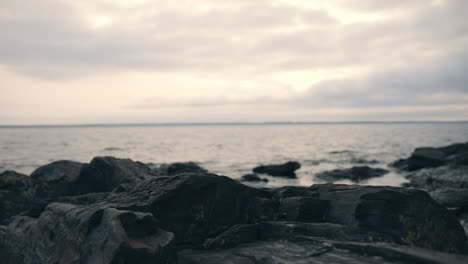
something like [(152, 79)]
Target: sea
[(232, 149)]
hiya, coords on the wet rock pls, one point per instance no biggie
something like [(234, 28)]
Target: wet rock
[(60, 177), (318, 251), (103, 174), (17, 194), (355, 174), (452, 198), (252, 178), (456, 154), (281, 170), (179, 167), (67, 233), (409, 215), (303, 209), (453, 176), (194, 206)]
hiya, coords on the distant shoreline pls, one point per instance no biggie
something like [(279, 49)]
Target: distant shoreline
[(231, 124)]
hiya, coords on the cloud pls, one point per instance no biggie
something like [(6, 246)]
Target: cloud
[(351, 54)]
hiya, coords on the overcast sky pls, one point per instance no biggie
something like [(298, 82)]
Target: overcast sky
[(124, 61)]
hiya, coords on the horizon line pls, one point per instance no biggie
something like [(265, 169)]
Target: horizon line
[(229, 123)]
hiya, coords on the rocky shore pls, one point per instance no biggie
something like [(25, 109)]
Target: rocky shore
[(120, 211)]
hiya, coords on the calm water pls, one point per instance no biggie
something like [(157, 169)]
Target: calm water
[(230, 150)]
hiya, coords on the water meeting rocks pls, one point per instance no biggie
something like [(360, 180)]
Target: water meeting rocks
[(427, 157), (129, 214), (279, 170), (355, 174)]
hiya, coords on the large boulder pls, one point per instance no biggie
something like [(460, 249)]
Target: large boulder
[(194, 206), (354, 174), (252, 177), (66, 233), (427, 157), (18, 194), (103, 174), (319, 251), (279, 170), (409, 215), (60, 177), (450, 176), (182, 167)]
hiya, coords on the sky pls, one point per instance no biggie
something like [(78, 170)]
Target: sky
[(161, 61)]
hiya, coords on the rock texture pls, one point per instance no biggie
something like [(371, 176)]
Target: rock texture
[(253, 178), (103, 174), (456, 154), (124, 212), (355, 174), (287, 169)]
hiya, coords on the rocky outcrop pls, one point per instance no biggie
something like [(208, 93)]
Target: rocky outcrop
[(280, 170), (18, 194), (252, 177), (66, 233), (355, 174), (103, 174), (60, 177), (456, 154), (135, 216), (451, 176)]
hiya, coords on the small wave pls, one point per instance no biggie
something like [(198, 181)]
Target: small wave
[(113, 149)]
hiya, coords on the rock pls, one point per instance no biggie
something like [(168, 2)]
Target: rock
[(318, 251), (125, 213), (67, 233), (194, 206), (303, 209), (452, 198), (103, 174), (200, 206), (282, 170), (252, 178), (179, 167), (402, 213), (454, 176), (355, 174), (17, 194), (456, 154), (60, 177)]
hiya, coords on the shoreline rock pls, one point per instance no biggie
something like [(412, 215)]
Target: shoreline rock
[(125, 212), (354, 174), (287, 169)]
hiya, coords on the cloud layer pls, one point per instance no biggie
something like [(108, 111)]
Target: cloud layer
[(240, 56)]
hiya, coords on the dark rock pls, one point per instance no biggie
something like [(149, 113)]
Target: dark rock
[(409, 215), (104, 174), (129, 215), (17, 194), (456, 154), (294, 191), (179, 167), (282, 170), (362, 161), (60, 177), (303, 209), (355, 174), (252, 178), (454, 176), (194, 206), (67, 233), (317, 251), (234, 236), (452, 198)]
